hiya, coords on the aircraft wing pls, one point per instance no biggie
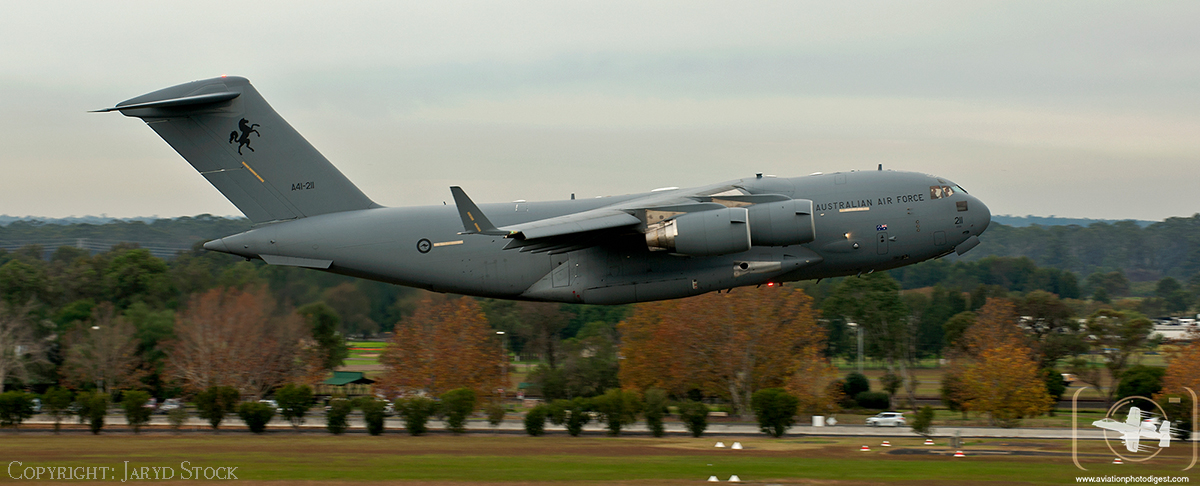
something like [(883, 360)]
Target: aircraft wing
[(596, 219)]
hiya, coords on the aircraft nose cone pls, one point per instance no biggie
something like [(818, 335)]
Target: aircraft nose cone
[(216, 245), (985, 216)]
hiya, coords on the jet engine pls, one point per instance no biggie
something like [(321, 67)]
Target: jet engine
[(782, 223), (702, 233)]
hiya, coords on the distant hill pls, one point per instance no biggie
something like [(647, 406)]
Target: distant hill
[(1029, 220), (163, 237)]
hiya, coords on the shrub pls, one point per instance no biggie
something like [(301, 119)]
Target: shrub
[(294, 402), (655, 407), (923, 422), (495, 413), (336, 417), (372, 413), (535, 421), (56, 403), (216, 402), (137, 413), (458, 404), (873, 400), (416, 412), (177, 417), (855, 383), (15, 407), (694, 416), (618, 407), (572, 413), (775, 410), (93, 406), (256, 415)]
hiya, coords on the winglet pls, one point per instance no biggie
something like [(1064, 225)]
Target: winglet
[(474, 222)]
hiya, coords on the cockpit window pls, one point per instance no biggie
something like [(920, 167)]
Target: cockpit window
[(935, 192), (959, 189)]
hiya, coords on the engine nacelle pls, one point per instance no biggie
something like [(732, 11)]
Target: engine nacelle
[(703, 233), (782, 223)]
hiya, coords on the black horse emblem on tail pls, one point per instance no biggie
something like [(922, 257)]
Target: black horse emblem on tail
[(243, 139)]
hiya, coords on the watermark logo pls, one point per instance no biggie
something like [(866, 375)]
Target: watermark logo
[(1138, 424)]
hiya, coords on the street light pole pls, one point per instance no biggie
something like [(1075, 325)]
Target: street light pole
[(504, 356)]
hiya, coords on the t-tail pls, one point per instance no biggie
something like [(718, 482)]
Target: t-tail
[(229, 133)]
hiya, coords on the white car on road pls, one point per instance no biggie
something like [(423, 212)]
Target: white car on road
[(891, 419)]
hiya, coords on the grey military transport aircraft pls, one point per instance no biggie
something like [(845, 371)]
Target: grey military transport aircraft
[(664, 244)]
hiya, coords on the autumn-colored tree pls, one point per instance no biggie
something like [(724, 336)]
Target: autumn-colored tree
[(994, 370), (231, 337), (104, 352), (445, 344), (815, 383), (1183, 368), (1004, 383), (726, 344)]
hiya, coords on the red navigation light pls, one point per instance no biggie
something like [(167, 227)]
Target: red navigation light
[(770, 284)]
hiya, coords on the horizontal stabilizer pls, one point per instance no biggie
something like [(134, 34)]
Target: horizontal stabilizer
[(182, 101)]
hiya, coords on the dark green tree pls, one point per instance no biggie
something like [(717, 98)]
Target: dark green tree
[(214, 403), (775, 410), (1052, 325), (137, 414), (618, 408), (15, 407), (654, 409), (694, 416), (337, 418), (923, 423), (1141, 381), (855, 383), (571, 413), (256, 415), (57, 404), (93, 407), (373, 413), (535, 420), (457, 405), (294, 400), (416, 412), (324, 323), (1115, 337)]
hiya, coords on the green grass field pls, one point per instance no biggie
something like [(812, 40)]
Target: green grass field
[(283, 457)]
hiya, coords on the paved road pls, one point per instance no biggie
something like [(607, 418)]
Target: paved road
[(517, 427)]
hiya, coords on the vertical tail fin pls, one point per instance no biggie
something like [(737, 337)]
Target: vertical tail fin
[(229, 133)]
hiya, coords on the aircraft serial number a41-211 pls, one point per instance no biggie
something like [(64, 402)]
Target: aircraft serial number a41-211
[(665, 244)]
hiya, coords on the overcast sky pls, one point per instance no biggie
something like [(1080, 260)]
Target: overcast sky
[(1079, 109)]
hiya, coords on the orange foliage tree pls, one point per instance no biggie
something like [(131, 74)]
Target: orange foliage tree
[(726, 344), (230, 337), (994, 369), (445, 344)]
